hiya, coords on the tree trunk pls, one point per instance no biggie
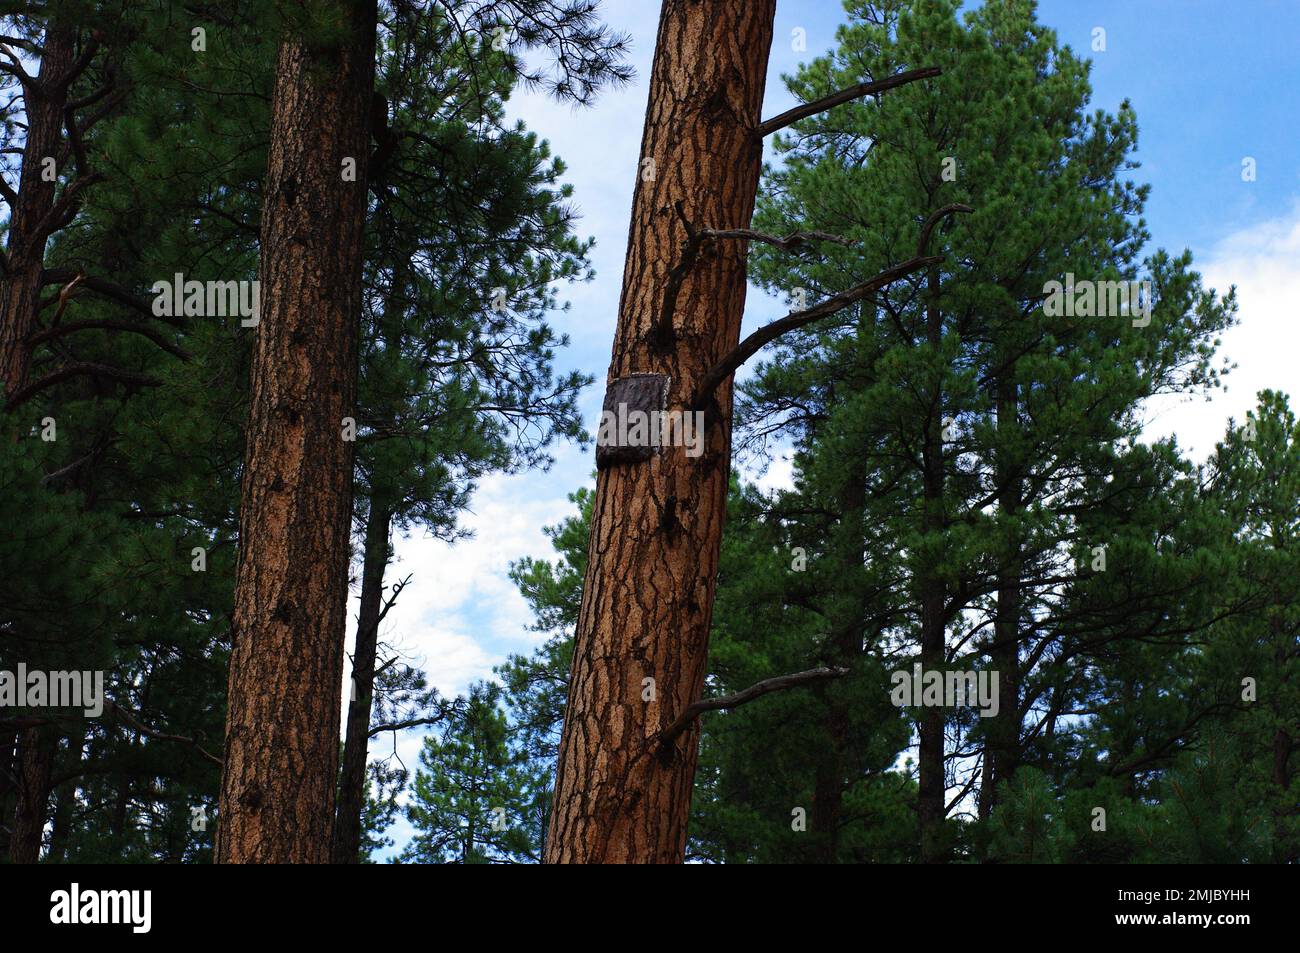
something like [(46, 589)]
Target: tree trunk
[(657, 523), (352, 783), (282, 732), (932, 795), (1286, 846), (65, 801), (845, 614), (1003, 745), (29, 227), (35, 764)]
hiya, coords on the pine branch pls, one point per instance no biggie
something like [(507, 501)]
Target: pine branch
[(81, 369), (110, 325)]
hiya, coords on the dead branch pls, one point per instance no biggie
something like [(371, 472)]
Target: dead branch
[(791, 116), (135, 723), (111, 290), (757, 690), (797, 319), (789, 242), (695, 239)]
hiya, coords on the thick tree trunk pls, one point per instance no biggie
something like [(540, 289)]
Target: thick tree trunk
[(29, 226), (657, 523), (352, 783), (282, 732), (932, 795), (35, 765)]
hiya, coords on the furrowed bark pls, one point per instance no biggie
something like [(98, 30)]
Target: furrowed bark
[(37, 746), (282, 731), (29, 226), (657, 523)]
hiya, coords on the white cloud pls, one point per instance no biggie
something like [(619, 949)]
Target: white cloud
[(1261, 261)]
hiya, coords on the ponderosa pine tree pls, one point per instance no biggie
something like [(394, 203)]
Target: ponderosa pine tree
[(471, 805), (456, 373), (147, 482), (642, 639), (281, 750), (981, 416)]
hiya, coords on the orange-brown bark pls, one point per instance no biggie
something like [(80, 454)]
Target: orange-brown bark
[(282, 731), (657, 523)]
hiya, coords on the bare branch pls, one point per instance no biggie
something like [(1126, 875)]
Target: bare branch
[(935, 217), (797, 319), (68, 204), (791, 116), (15, 67), (64, 294), (74, 139), (751, 345), (789, 242), (79, 65), (695, 238), (757, 690), (111, 290), (392, 598), (135, 723), (408, 723)]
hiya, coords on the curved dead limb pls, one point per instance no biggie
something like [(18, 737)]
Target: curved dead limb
[(797, 319), (135, 723), (791, 116), (695, 239), (757, 690)]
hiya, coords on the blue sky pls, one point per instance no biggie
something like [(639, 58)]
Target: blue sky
[(1212, 83)]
